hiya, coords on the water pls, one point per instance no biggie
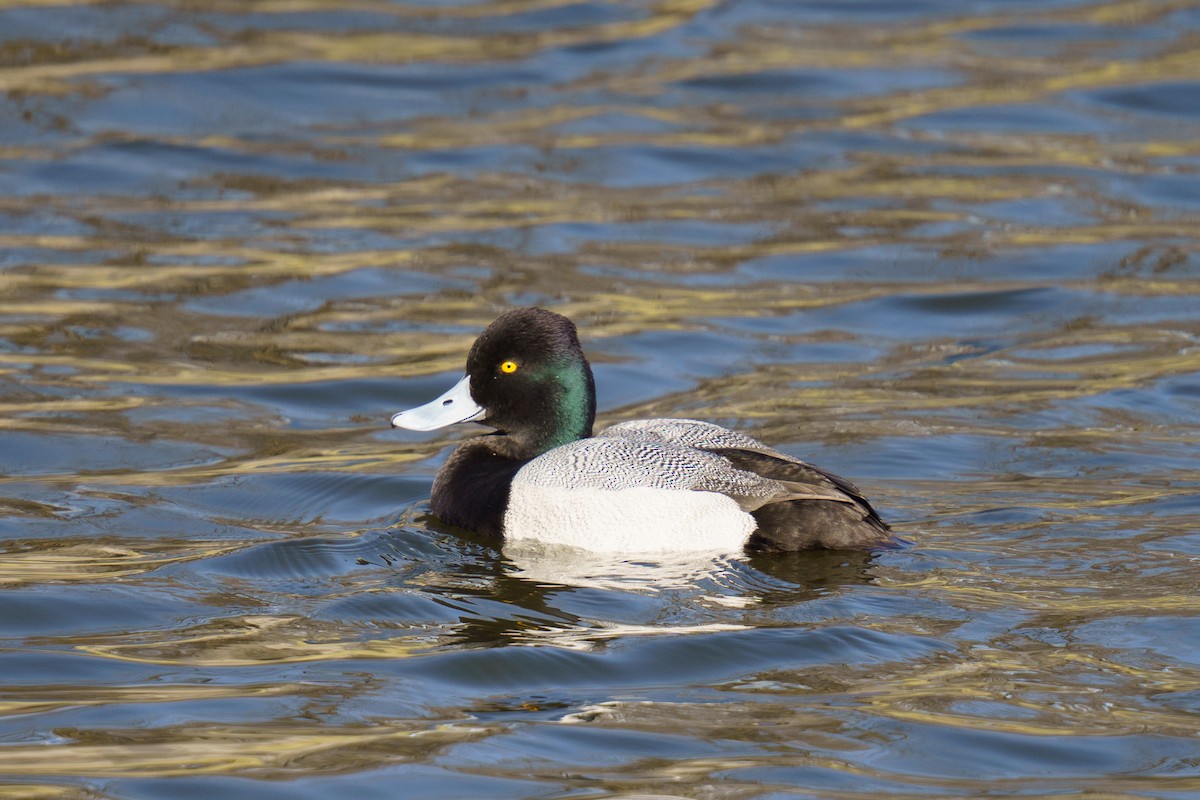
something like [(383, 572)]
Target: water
[(946, 249)]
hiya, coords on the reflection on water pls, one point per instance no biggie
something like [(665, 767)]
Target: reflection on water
[(947, 249)]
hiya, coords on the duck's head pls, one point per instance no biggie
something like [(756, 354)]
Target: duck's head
[(527, 377)]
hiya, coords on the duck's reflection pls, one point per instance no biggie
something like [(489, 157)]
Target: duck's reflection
[(528, 592)]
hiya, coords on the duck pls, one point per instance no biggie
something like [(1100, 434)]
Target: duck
[(641, 486)]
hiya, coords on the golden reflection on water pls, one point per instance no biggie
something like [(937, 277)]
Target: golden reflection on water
[(37, 791), (259, 640), (106, 335), (271, 47), (28, 700), (93, 560), (266, 751)]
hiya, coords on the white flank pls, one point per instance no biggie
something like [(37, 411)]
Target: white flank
[(635, 520)]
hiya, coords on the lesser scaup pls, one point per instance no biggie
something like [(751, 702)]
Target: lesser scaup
[(647, 485)]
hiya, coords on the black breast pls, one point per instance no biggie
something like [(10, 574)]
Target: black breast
[(471, 489)]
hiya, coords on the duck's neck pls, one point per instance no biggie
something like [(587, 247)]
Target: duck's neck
[(575, 410), (561, 410), (565, 412)]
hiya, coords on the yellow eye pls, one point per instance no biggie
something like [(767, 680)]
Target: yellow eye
[(509, 367)]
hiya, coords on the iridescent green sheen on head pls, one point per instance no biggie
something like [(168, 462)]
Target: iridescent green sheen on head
[(575, 404)]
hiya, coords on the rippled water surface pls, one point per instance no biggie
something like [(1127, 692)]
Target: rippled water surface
[(948, 249)]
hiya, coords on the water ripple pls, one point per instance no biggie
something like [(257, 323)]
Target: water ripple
[(946, 249)]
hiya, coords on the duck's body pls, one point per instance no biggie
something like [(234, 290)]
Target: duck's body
[(640, 486)]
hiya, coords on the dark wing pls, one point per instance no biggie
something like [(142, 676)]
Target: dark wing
[(795, 522), (789, 470)]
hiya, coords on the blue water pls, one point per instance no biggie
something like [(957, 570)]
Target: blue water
[(948, 250)]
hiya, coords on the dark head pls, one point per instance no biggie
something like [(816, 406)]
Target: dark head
[(527, 377)]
